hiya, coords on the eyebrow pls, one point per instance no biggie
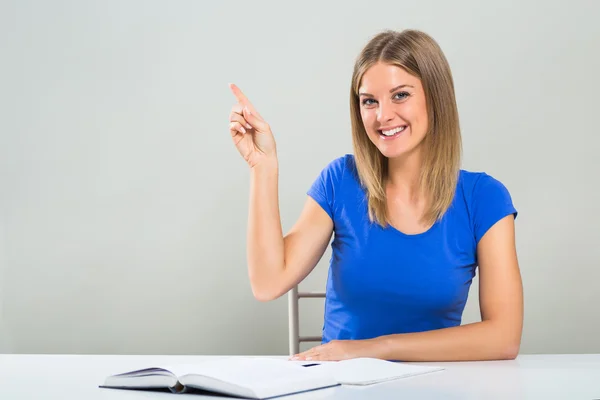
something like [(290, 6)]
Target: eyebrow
[(391, 90)]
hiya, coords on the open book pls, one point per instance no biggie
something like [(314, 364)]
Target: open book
[(262, 377)]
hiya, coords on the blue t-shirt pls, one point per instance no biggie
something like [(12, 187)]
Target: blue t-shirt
[(382, 281)]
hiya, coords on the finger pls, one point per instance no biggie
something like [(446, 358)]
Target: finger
[(241, 97), (257, 123), (235, 128), (310, 353), (237, 109), (235, 117), (305, 357), (300, 356), (314, 355), (237, 114)]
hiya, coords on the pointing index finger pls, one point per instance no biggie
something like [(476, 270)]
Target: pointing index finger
[(238, 94), (241, 97)]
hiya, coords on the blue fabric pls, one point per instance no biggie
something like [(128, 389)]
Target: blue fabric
[(382, 281)]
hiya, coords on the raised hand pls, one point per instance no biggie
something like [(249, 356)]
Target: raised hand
[(251, 135)]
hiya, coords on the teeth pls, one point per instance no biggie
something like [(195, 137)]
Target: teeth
[(393, 131)]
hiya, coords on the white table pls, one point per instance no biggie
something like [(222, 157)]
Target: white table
[(71, 377)]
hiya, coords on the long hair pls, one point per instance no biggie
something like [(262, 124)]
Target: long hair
[(421, 56)]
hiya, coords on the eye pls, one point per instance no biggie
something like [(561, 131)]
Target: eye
[(403, 95), (397, 96), (366, 102)]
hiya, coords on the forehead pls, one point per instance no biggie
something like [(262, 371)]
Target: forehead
[(382, 77)]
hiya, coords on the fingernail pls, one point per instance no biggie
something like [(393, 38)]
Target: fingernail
[(248, 111), (243, 130), (294, 358), (248, 126), (308, 358)]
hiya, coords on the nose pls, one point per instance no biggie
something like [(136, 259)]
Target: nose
[(385, 112)]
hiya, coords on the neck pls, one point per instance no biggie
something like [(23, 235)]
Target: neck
[(404, 177)]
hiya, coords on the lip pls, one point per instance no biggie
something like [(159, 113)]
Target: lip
[(394, 136), (390, 128)]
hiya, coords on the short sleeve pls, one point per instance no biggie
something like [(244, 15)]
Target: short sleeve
[(325, 186), (491, 201)]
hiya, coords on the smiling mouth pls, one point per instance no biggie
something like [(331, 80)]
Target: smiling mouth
[(392, 132)]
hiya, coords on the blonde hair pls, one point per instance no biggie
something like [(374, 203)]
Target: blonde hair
[(419, 55)]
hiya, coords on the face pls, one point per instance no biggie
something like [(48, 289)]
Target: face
[(393, 109)]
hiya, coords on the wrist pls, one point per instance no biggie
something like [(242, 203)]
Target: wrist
[(269, 164), (380, 347)]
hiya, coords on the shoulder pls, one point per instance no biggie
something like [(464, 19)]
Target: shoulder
[(487, 200), (340, 164), (477, 185), (338, 169), (328, 188)]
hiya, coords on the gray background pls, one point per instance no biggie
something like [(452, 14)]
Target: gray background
[(123, 202)]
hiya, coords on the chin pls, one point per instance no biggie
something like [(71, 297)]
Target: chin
[(397, 149), (393, 154)]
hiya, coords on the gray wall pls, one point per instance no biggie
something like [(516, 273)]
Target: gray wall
[(123, 202)]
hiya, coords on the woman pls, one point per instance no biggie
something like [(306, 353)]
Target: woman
[(410, 227)]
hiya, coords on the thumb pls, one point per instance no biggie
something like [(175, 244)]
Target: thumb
[(257, 123)]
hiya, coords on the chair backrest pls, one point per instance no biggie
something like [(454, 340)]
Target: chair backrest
[(294, 319)]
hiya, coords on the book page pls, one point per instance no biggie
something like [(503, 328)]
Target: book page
[(258, 371), (248, 371), (366, 371)]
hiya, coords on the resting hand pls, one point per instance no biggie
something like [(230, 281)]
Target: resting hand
[(338, 350)]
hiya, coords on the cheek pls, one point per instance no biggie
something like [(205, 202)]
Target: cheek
[(367, 118), (415, 116), (419, 113), (409, 114)]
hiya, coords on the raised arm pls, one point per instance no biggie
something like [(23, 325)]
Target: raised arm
[(275, 263)]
